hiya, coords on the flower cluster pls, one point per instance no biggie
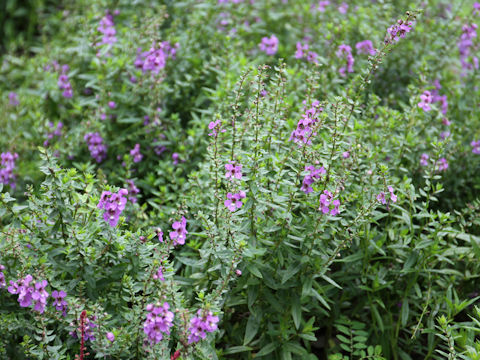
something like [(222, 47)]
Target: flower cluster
[(365, 47), (442, 99), (55, 131), (424, 159), (135, 152), (305, 126), (64, 83), (3, 283), (159, 321), (13, 98), (464, 47), (345, 52), (343, 8), (155, 59), (313, 175), (98, 150), (204, 322), (132, 191), (234, 171), (113, 204), (327, 205), (425, 100), (322, 4), (179, 233), (475, 147), (59, 301), (7, 163), (302, 52), (107, 29), (28, 293), (159, 274), (381, 197), (397, 31), (269, 45), (442, 164), (234, 201)]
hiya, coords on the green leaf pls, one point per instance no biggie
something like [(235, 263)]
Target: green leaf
[(251, 329), (296, 312), (267, 349)]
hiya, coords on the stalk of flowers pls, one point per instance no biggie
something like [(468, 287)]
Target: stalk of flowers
[(7, 165), (85, 328), (56, 132), (442, 99), (202, 324), (113, 204), (3, 283), (158, 322), (135, 153), (107, 29), (64, 83), (179, 233), (132, 191), (13, 98), (345, 52), (306, 125), (465, 44), (98, 150), (441, 165), (312, 177), (475, 147), (269, 45), (155, 59)]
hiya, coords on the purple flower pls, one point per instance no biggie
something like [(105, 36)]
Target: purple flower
[(442, 164), (343, 8), (89, 325), (64, 83), (159, 274), (424, 159), (346, 154), (328, 205), (204, 322), (13, 98), (345, 51), (159, 321), (175, 157), (313, 175), (444, 134), (132, 191), (301, 50), (469, 32), (110, 337), (160, 235), (40, 296), (215, 127), (56, 132), (113, 204), (365, 47), (59, 301), (381, 197), (475, 147), (322, 5), (425, 100), (306, 125), (7, 165), (135, 152), (155, 59), (179, 233), (98, 150), (23, 289), (476, 8), (397, 31), (107, 29), (112, 104), (234, 201), (269, 45), (234, 171), (3, 283)]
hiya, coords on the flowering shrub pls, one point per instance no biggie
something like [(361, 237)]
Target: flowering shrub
[(241, 179)]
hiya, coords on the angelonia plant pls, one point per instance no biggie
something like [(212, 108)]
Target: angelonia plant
[(239, 179)]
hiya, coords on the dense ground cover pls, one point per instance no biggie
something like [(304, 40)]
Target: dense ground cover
[(239, 179)]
